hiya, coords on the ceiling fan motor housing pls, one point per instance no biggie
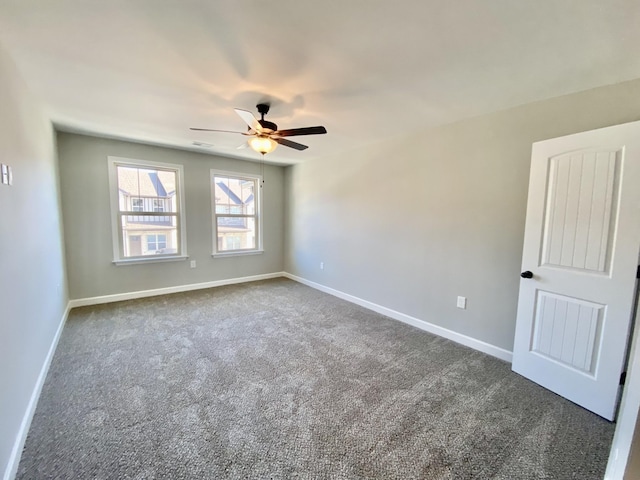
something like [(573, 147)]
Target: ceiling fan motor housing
[(263, 109)]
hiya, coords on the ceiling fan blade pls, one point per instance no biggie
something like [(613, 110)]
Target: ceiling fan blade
[(289, 143), (249, 119), (301, 131), (222, 131)]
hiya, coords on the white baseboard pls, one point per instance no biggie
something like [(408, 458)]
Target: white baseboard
[(16, 453), (117, 297), (479, 345)]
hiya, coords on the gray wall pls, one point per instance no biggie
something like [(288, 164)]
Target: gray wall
[(87, 219), (413, 222), (33, 294)]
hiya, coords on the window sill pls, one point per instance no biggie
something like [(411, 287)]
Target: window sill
[(237, 253), (138, 261)]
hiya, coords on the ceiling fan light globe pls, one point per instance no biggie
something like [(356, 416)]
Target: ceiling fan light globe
[(263, 145)]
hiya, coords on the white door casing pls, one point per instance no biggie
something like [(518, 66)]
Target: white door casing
[(582, 238)]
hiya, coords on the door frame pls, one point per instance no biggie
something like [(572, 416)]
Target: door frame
[(628, 411)]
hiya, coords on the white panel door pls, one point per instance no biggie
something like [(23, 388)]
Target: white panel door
[(580, 258)]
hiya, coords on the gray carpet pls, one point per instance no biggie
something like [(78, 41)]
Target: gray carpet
[(276, 380)]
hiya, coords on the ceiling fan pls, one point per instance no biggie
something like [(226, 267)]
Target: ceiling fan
[(265, 135)]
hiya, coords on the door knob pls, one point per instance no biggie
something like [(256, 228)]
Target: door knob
[(526, 274)]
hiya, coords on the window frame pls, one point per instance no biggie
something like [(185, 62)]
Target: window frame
[(257, 216), (116, 214)]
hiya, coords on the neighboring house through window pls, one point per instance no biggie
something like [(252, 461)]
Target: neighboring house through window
[(158, 205), (156, 242), (137, 204), (146, 204), (236, 212)]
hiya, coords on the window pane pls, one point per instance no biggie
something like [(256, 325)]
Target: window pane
[(222, 193), (140, 240), (236, 233), (128, 180), (233, 242), (234, 195), (146, 189), (248, 188)]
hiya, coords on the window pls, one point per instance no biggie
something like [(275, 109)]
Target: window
[(236, 212), (156, 242), (158, 205), (137, 204), (146, 210), (233, 242)]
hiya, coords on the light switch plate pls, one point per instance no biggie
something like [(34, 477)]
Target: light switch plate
[(462, 302), (5, 174)]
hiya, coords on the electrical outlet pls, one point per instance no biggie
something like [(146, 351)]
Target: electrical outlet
[(462, 302), (193, 264), (321, 265)]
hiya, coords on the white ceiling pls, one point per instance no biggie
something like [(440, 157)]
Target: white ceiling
[(147, 70)]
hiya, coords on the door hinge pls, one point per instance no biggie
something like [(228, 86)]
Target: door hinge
[(638, 272), (623, 378)]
